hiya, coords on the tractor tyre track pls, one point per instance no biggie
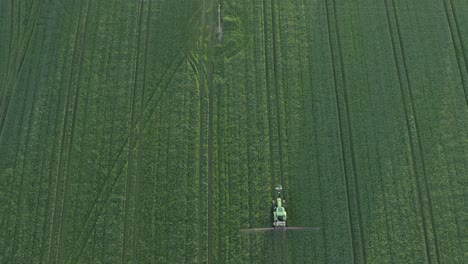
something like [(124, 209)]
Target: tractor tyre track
[(285, 247), (201, 154), (19, 56), (58, 189), (107, 187), (219, 152), (460, 35), (22, 38), (140, 138), (10, 44), (6, 104), (319, 173), (350, 138), (11, 55), (269, 115), (406, 103), (340, 128), (110, 182), (457, 46), (277, 96), (165, 181), (72, 132), (19, 219), (132, 138), (56, 135), (316, 139), (276, 258), (267, 93), (107, 108), (104, 184), (7, 69), (417, 133), (210, 133), (251, 157), (44, 132), (17, 152), (276, 85), (382, 189), (18, 203)]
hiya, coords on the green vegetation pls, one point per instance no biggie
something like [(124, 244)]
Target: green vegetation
[(129, 132)]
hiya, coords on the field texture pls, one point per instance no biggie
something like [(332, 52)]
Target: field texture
[(148, 131)]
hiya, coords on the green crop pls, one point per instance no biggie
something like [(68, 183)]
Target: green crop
[(133, 132)]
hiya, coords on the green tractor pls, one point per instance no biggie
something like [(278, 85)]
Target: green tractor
[(279, 216), (279, 213)]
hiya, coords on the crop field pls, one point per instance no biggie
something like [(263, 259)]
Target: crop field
[(152, 131)]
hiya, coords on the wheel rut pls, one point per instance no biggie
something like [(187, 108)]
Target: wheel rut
[(413, 130), (350, 137), (340, 128), (132, 139), (211, 110), (59, 206), (140, 136), (201, 139), (457, 42)]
